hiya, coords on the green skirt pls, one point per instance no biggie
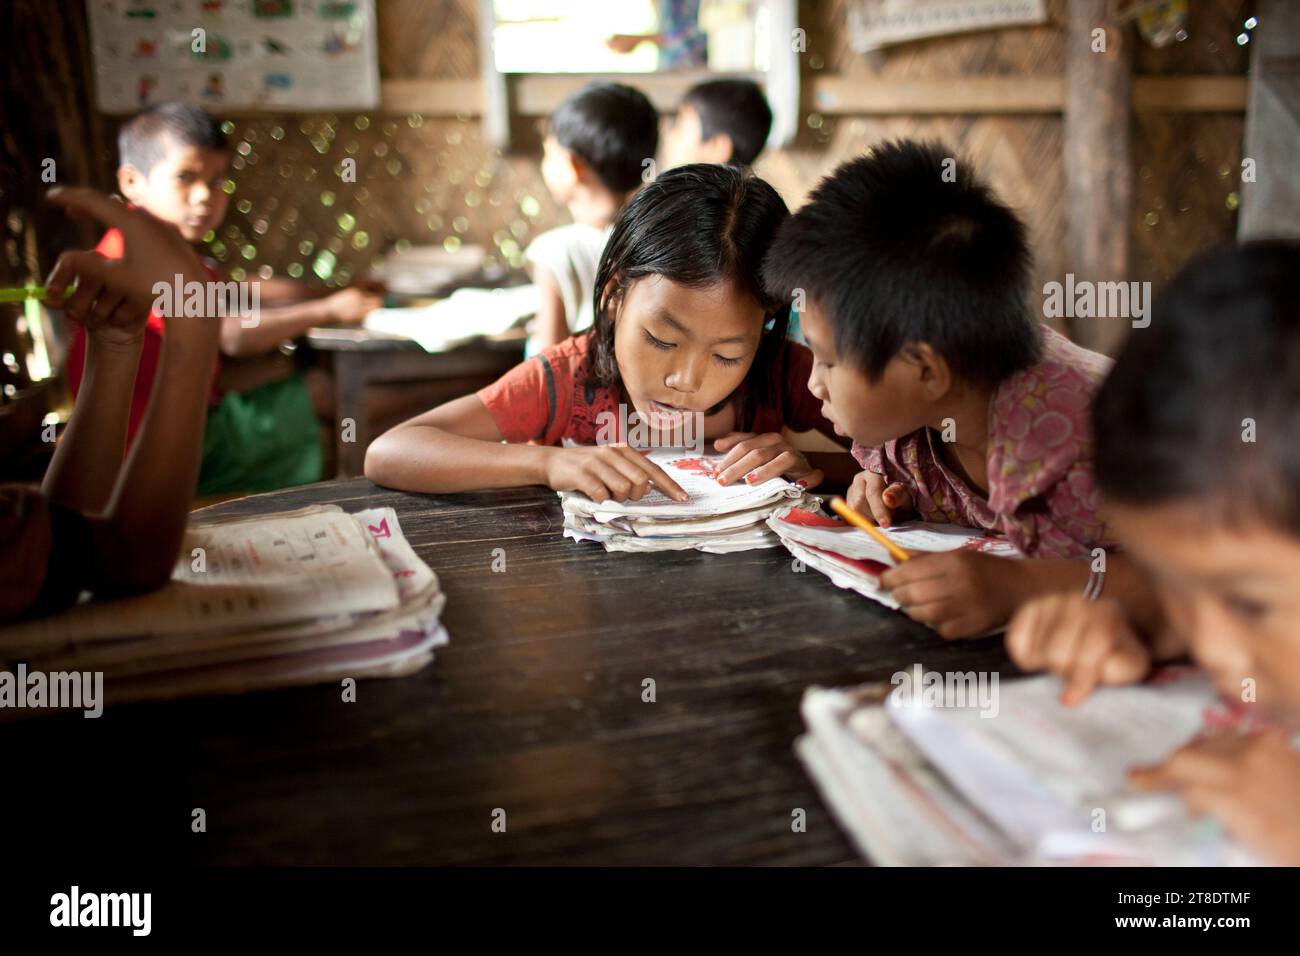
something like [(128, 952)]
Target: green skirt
[(261, 440)]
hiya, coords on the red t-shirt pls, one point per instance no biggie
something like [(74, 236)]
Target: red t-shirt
[(111, 247), (547, 399)]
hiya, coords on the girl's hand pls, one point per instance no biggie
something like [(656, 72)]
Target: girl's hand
[(756, 458), (958, 593), (870, 494), (1086, 643), (608, 473), (1250, 783)]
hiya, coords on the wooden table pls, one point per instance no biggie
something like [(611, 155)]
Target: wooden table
[(361, 358), (535, 708)]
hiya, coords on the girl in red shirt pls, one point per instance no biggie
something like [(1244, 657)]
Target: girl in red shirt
[(683, 328)]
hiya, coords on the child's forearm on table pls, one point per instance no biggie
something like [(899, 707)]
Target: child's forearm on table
[(88, 458), (429, 459)]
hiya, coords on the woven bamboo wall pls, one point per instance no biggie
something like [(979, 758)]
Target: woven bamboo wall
[(424, 179)]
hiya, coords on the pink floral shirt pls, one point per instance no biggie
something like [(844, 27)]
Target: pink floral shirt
[(1041, 490)]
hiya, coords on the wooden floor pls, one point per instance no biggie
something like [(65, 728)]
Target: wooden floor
[(534, 708)]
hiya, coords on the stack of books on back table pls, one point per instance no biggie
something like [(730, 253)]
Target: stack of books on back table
[(853, 559), (717, 518), (951, 769), (298, 597)]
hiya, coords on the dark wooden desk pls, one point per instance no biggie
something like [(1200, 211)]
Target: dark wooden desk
[(535, 707), (362, 358)]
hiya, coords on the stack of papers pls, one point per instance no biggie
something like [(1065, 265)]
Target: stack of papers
[(718, 518), (853, 559), (465, 315), (1012, 777), (298, 597)]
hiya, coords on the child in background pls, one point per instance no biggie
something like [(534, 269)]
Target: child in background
[(594, 158), (1198, 461), (173, 162), (682, 327), (718, 121), (721, 121), (962, 407), (97, 524)]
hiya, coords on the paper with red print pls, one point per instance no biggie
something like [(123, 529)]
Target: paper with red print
[(831, 534), (412, 575), (696, 473)]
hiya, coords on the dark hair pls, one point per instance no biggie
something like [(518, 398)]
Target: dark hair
[(613, 127), (736, 108), (1223, 346), (905, 246), (695, 225), (141, 140)]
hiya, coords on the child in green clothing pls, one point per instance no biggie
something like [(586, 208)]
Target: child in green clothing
[(174, 160)]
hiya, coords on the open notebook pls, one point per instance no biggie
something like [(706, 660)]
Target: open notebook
[(1025, 780), (853, 559), (716, 519)]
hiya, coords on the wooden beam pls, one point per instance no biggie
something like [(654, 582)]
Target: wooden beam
[(844, 96), (538, 94), (1096, 158)]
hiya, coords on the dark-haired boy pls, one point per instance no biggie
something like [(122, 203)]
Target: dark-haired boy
[(718, 121), (911, 278), (173, 163), (1198, 461), (599, 144)]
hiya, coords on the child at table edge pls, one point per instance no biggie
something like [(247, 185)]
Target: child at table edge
[(683, 326), (962, 407), (97, 523), (1198, 461)]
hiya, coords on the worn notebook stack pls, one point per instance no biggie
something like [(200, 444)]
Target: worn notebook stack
[(949, 768), (851, 558), (717, 518), (300, 597)]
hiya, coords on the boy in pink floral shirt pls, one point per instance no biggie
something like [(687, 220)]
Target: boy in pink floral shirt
[(1041, 493), (914, 281)]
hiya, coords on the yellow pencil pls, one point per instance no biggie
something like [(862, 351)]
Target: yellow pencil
[(841, 508)]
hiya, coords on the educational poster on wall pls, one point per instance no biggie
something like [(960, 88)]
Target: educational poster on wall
[(235, 54), (876, 23)]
